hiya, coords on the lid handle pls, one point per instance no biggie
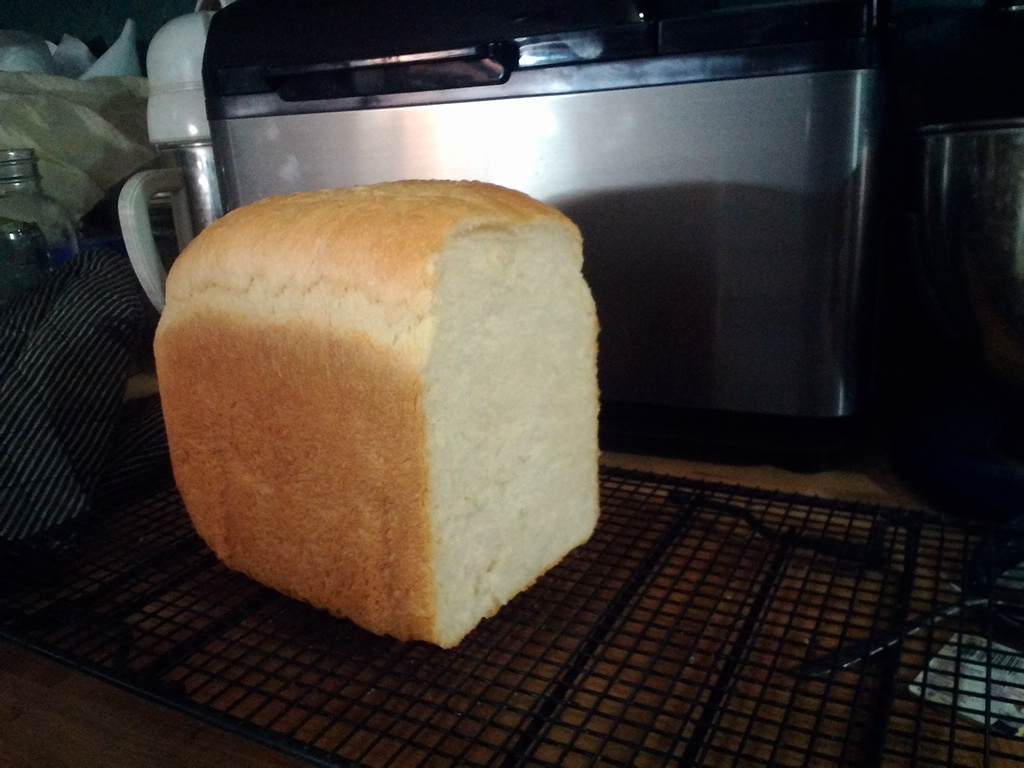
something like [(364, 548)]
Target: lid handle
[(488, 64)]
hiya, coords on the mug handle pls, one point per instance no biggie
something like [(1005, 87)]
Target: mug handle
[(137, 229)]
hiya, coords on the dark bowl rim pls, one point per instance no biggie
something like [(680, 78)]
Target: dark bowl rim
[(1004, 125)]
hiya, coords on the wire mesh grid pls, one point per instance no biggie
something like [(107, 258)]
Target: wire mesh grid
[(702, 624)]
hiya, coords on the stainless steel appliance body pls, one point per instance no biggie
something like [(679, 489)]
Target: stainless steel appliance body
[(726, 208)]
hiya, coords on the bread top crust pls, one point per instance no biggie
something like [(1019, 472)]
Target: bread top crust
[(298, 242)]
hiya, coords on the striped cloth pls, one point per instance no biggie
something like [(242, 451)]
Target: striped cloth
[(65, 350)]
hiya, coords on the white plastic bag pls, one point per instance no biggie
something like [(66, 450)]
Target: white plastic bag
[(89, 135)]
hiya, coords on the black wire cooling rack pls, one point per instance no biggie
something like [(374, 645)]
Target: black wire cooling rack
[(703, 624)]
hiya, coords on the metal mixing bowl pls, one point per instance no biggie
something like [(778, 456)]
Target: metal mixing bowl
[(971, 234)]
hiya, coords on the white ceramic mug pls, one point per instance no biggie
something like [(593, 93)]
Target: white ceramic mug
[(179, 129), (189, 179), (137, 228)]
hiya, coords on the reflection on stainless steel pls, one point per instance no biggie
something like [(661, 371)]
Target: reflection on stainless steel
[(971, 222), (726, 223), (201, 183)]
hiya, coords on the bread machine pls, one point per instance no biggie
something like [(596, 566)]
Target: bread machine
[(717, 158)]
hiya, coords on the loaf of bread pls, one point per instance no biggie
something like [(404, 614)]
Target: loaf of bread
[(383, 400)]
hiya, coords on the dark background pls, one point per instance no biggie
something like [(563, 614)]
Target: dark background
[(99, 22), (95, 22)]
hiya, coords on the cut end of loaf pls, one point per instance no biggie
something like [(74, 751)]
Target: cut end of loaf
[(408, 453), (512, 435)]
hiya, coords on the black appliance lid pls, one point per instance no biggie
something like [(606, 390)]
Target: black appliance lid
[(317, 49), (396, 45)]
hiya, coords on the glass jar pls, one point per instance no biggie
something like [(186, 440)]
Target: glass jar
[(22, 199), (23, 258)]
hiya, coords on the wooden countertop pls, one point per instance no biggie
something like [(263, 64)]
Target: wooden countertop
[(51, 715)]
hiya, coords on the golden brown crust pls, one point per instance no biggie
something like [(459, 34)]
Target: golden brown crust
[(389, 233), (297, 480)]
